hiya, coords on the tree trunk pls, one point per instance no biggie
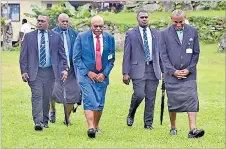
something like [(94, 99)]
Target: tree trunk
[(7, 35)]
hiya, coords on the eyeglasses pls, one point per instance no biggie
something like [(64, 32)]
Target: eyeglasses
[(144, 17), (42, 21), (96, 26)]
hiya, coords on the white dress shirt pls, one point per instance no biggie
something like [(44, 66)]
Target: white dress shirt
[(101, 43), (148, 36)]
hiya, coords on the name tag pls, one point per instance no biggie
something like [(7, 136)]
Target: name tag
[(110, 56), (189, 50)]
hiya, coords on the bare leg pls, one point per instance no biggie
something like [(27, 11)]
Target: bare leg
[(192, 120), (173, 119), (89, 118), (52, 106), (69, 108), (97, 116)]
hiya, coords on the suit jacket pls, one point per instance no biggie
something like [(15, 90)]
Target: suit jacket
[(29, 56), (73, 35), (84, 57), (174, 55), (134, 57)]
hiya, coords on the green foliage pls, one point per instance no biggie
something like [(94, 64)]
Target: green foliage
[(221, 5), (207, 5), (17, 48), (83, 11), (178, 5), (210, 28), (53, 12), (2, 24)]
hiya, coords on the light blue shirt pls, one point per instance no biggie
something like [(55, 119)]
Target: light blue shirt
[(48, 58), (180, 34)]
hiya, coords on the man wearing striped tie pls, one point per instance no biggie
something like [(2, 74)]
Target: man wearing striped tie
[(141, 63), (41, 51), (71, 85)]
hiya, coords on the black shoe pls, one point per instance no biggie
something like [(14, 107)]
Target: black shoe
[(69, 122), (52, 117), (98, 131), (130, 121), (195, 133), (148, 127), (45, 125), (173, 131), (38, 127), (91, 132)]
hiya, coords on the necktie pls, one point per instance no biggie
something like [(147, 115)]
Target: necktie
[(42, 55), (66, 48), (98, 54), (146, 47), (180, 35)]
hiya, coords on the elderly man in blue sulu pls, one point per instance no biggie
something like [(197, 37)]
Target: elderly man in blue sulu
[(94, 57)]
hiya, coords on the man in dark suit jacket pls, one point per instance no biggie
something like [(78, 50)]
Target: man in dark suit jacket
[(180, 54), (41, 51), (141, 63), (71, 85), (94, 57)]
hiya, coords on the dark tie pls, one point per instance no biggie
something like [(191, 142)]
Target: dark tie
[(98, 54), (146, 47), (42, 55)]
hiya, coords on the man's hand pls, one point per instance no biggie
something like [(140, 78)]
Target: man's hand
[(92, 76), (64, 75), (126, 79), (178, 74), (184, 72), (25, 77), (100, 77)]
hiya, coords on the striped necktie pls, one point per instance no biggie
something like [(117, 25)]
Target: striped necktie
[(42, 55), (146, 47)]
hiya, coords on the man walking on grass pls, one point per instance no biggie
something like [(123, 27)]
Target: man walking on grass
[(180, 53)]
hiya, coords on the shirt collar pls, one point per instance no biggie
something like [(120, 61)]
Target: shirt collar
[(39, 31), (141, 28), (61, 31), (94, 36)]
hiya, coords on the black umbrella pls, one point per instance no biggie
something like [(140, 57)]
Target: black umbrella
[(162, 101), (65, 104)]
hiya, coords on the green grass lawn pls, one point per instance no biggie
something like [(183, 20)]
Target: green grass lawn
[(18, 128), (130, 18)]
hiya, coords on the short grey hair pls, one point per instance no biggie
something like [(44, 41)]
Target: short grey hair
[(178, 12), (63, 14), (97, 18)]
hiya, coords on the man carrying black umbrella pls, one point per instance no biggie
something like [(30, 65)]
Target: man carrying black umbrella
[(67, 92)]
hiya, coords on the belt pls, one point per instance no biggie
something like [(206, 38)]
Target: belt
[(148, 62), (45, 67)]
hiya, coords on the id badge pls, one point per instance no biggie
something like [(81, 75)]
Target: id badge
[(110, 56), (189, 50)]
